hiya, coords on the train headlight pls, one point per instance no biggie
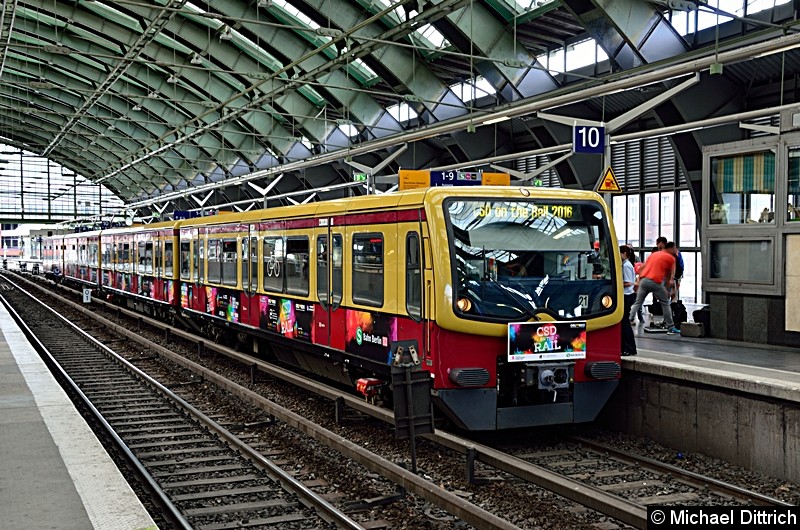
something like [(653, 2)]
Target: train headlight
[(606, 301), (464, 305)]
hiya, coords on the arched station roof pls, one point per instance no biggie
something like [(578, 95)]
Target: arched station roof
[(232, 103)]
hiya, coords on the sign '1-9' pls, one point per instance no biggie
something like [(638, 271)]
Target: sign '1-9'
[(588, 139)]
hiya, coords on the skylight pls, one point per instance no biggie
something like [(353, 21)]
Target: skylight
[(472, 90), (402, 112), (684, 21)]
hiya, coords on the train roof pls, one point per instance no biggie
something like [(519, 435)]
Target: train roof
[(407, 199), (414, 198)]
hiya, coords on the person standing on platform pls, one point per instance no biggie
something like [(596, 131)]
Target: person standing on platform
[(628, 279), (637, 265), (656, 277), (678, 274)]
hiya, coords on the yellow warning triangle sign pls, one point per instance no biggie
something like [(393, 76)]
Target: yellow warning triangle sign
[(609, 181)]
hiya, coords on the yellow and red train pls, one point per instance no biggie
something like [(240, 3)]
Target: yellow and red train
[(512, 295)]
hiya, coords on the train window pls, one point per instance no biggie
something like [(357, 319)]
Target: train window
[(368, 269), (230, 262), (296, 262), (326, 258), (249, 264), (322, 270), (93, 254), (413, 277), (273, 264), (125, 256), (148, 257), (140, 253), (214, 260), (185, 249), (199, 260), (158, 260), (82, 255), (145, 257), (168, 259), (106, 254), (198, 272), (337, 272)]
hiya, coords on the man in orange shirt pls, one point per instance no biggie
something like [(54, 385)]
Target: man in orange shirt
[(656, 276)]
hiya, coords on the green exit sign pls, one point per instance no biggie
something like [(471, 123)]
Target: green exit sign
[(359, 177)]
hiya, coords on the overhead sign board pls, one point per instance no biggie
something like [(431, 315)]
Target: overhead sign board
[(185, 214), (455, 178), (410, 179), (496, 179), (609, 182), (588, 139), (413, 178)]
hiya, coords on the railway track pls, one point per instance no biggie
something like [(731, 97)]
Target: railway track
[(621, 487), (205, 477)]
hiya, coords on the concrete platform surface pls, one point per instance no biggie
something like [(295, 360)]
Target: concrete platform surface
[(53, 471)]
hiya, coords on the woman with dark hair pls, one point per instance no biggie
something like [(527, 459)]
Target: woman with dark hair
[(628, 281)]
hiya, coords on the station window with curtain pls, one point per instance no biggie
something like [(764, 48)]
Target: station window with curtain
[(743, 189), (793, 208)]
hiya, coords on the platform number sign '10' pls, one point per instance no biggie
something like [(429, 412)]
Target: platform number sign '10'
[(588, 139)]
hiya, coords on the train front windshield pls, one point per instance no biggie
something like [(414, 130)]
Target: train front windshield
[(513, 260)]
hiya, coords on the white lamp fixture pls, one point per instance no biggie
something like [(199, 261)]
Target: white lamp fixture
[(226, 34), (196, 59), (172, 79)]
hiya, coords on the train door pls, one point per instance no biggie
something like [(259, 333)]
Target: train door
[(414, 295), (329, 317), (249, 303), (199, 269), (186, 267), (168, 274), (372, 289), (428, 288), (157, 282)]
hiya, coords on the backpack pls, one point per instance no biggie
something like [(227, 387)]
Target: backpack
[(679, 313)]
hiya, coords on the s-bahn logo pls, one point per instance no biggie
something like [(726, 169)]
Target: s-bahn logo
[(370, 338)]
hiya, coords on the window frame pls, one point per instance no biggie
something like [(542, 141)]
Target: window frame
[(360, 269)]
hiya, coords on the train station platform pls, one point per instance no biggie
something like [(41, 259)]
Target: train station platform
[(735, 401), (761, 369), (54, 473)]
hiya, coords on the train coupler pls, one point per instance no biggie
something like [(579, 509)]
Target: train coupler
[(369, 387)]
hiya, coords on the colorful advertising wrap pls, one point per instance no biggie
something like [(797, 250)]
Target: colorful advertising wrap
[(290, 318), (546, 341)]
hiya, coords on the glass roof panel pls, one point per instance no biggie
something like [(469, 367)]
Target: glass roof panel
[(296, 13), (109, 13), (201, 18), (402, 112), (471, 90)]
